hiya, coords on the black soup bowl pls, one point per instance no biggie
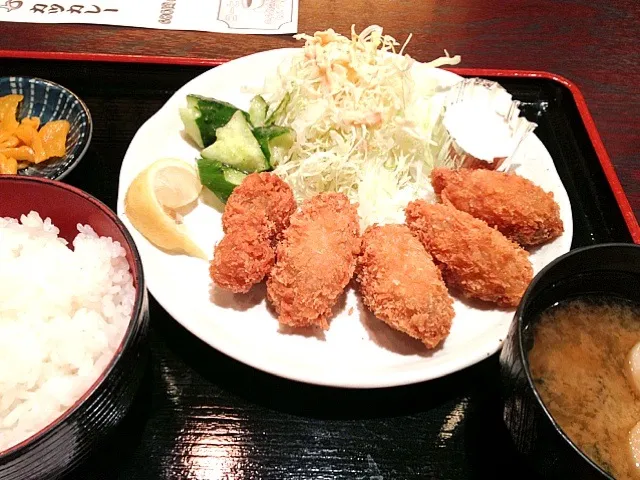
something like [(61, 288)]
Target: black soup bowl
[(607, 269)]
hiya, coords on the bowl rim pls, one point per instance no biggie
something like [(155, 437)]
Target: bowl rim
[(137, 273), (524, 358), (89, 131)]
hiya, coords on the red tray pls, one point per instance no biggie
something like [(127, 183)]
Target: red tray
[(203, 415)]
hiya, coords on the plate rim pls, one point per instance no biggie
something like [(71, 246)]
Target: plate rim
[(398, 378)]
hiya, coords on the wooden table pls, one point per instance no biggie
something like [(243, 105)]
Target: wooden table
[(596, 44)]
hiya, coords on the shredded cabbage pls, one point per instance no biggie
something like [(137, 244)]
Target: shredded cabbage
[(363, 127)]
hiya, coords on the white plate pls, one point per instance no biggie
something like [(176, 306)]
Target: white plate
[(358, 350)]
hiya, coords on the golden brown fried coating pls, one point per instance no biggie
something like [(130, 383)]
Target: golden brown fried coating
[(255, 215), (263, 195), (243, 257), (521, 210), (474, 258), (402, 286), (315, 260)]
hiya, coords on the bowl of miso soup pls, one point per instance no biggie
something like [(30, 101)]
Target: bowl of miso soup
[(570, 366)]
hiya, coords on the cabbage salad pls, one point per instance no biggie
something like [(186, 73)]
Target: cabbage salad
[(363, 125)]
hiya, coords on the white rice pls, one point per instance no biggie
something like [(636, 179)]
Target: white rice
[(63, 314)]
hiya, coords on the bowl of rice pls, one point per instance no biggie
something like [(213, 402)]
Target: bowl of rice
[(74, 321)]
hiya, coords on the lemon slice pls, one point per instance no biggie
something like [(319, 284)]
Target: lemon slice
[(152, 199)]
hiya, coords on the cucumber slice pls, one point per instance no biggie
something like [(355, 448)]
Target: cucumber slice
[(219, 178), (189, 117), (278, 113), (237, 147), (258, 111), (206, 115), (274, 137), (233, 176)]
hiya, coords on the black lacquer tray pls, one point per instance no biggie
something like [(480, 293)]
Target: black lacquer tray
[(201, 415)]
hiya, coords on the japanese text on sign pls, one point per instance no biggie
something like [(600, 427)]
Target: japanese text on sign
[(233, 16)]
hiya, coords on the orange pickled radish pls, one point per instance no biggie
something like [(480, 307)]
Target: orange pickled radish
[(9, 141), (9, 105), (31, 122), (8, 165), (39, 154), (19, 153), (8, 110), (30, 137), (25, 133), (21, 142), (54, 137)]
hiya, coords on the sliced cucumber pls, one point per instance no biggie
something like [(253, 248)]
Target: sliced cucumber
[(258, 111), (203, 116), (189, 117), (272, 137), (277, 115), (236, 146), (276, 135), (219, 178), (233, 176)]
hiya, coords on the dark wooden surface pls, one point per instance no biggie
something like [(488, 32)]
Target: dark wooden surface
[(595, 43), (204, 416), (201, 415)]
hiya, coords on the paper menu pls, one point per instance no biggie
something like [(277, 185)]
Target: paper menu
[(227, 16)]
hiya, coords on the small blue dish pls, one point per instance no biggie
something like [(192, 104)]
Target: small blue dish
[(50, 101)]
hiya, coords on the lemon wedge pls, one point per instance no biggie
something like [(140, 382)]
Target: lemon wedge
[(152, 199)]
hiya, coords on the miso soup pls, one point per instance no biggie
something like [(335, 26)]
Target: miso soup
[(579, 364)]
